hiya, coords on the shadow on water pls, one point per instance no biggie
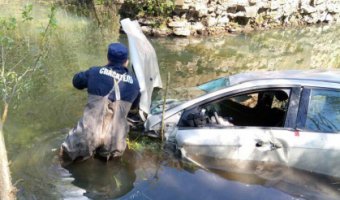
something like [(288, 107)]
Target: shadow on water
[(104, 180), (160, 175), (294, 182)]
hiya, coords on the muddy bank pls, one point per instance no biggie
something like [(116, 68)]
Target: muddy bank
[(213, 17)]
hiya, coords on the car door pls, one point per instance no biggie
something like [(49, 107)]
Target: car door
[(316, 144), (239, 127)]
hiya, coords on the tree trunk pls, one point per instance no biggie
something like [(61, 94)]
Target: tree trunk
[(4, 114), (6, 189)]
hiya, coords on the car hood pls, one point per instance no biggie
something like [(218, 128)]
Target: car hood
[(144, 62)]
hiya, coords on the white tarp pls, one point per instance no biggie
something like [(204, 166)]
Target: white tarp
[(144, 61)]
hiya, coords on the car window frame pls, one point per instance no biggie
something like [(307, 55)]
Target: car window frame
[(303, 109), (292, 112)]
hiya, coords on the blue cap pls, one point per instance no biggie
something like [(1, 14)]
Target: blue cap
[(117, 53)]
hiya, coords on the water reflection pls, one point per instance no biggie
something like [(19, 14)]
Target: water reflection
[(193, 61), (297, 183), (196, 183), (104, 180), (159, 175)]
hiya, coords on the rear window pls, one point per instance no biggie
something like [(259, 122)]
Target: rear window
[(323, 113)]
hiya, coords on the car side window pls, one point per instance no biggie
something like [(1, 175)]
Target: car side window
[(259, 108), (323, 113)]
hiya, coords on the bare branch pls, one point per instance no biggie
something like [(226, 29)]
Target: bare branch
[(20, 61)]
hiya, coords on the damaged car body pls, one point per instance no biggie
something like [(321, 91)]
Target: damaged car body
[(290, 118)]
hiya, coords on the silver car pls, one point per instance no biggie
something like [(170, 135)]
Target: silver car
[(290, 118)]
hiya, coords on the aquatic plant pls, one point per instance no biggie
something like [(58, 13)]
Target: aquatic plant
[(141, 144)]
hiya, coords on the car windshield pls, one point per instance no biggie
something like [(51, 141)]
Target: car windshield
[(214, 85), (184, 94)]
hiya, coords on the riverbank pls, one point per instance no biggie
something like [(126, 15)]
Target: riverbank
[(186, 18)]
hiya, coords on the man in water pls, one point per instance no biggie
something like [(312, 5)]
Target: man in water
[(112, 91)]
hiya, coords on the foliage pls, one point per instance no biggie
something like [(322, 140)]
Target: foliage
[(27, 12), (148, 8), (17, 61), (143, 144)]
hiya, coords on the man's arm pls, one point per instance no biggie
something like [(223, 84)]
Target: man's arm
[(80, 80)]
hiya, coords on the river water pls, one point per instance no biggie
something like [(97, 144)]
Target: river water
[(39, 120)]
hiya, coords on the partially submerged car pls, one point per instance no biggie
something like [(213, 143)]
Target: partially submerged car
[(287, 117)]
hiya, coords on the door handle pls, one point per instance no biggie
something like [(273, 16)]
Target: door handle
[(274, 146), (271, 145), (259, 143)]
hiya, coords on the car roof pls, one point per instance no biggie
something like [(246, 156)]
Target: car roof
[(312, 75)]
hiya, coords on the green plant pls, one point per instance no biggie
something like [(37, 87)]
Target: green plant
[(27, 12), (17, 65), (16, 60), (143, 144), (149, 8)]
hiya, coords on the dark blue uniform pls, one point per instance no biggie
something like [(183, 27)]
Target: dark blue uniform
[(98, 81), (112, 92)]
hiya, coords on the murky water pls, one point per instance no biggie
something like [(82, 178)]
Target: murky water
[(38, 122)]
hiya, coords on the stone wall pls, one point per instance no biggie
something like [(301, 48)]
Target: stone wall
[(209, 17)]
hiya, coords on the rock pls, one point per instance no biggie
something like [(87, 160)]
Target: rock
[(238, 14), (322, 7), (211, 21), (305, 2), (336, 18), (276, 15), (308, 9), (201, 9), (232, 30), (147, 22), (147, 30), (264, 4), (252, 2), (211, 9), (203, 12), (333, 7), (214, 16), (176, 18), (322, 16), (318, 2), (183, 31), (223, 20), (161, 32), (282, 2), (239, 2), (198, 26), (251, 11), (310, 19), (178, 24), (290, 8), (216, 30), (259, 19), (274, 4), (179, 2), (329, 18), (219, 10), (293, 20)]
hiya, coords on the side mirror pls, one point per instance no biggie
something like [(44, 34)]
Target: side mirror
[(196, 118)]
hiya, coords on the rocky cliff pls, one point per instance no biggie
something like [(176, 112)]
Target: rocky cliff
[(209, 17)]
